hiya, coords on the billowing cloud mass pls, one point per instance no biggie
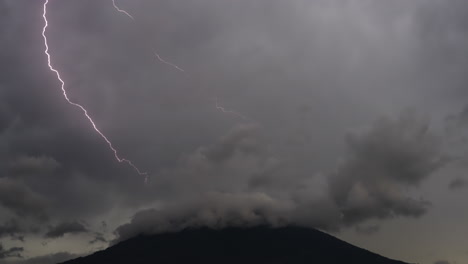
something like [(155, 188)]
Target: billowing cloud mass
[(213, 210), (381, 164), (328, 141), (393, 155)]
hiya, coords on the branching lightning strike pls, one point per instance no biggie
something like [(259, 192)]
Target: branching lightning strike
[(85, 112), (59, 78)]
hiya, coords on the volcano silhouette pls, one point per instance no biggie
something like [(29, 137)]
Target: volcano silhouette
[(256, 245)]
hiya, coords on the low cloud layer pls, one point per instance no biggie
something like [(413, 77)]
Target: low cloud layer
[(215, 210)]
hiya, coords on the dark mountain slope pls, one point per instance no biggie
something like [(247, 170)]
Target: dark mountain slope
[(257, 245)]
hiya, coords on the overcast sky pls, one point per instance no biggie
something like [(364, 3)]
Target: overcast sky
[(349, 116)]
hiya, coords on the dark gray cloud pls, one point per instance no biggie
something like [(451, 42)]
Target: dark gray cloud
[(457, 184), (10, 228), (66, 228), (226, 165), (459, 119), (21, 200), (456, 125), (34, 165), (240, 139), (393, 155)]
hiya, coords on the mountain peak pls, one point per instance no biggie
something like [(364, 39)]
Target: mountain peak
[(236, 245)]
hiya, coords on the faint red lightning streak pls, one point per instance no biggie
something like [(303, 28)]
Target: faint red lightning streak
[(222, 109), (168, 63), (122, 11), (46, 51)]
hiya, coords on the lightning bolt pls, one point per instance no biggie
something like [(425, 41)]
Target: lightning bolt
[(168, 63), (85, 112), (121, 10), (224, 110)]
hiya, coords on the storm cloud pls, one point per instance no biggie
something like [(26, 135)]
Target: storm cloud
[(323, 84)]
